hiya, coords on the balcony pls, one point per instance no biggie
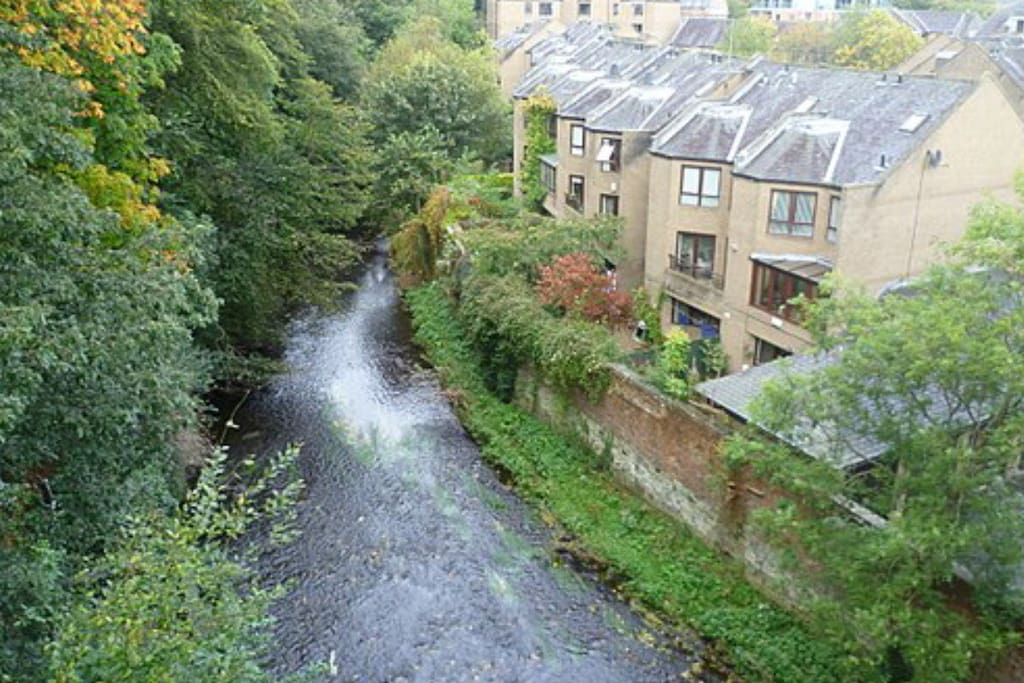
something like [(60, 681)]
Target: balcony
[(698, 284), (697, 272), (574, 201)]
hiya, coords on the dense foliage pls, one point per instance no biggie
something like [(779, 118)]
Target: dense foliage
[(941, 396), (165, 603), (871, 39), (175, 178), (537, 112)]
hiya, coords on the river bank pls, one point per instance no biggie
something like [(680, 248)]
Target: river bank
[(415, 561), (653, 559)]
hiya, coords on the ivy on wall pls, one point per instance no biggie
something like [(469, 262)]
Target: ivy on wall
[(536, 111)]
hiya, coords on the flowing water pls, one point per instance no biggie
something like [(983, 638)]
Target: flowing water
[(415, 563)]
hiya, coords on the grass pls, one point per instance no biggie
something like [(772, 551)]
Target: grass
[(659, 562)]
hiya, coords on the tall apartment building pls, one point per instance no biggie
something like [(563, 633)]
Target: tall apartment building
[(742, 185)]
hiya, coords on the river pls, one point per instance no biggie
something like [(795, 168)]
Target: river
[(415, 562)]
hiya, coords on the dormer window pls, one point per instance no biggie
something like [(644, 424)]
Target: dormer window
[(584, 9)]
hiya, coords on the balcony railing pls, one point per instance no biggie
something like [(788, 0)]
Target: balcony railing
[(695, 271), (575, 201)]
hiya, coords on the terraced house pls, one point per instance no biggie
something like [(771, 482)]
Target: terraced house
[(742, 185)]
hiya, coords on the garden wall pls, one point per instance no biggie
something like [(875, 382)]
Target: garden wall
[(667, 451)]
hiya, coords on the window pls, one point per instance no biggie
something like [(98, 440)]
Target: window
[(765, 352), (832, 234), (584, 9), (638, 28), (695, 254), (575, 196), (615, 10), (609, 205), (638, 10), (577, 138), (773, 289), (548, 176), (528, 8), (685, 314), (544, 9), (609, 154), (792, 213), (1020, 26), (700, 186)]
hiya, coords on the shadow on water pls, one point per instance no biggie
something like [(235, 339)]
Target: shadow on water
[(415, 563)]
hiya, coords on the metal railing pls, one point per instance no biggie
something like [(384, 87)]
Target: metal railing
[(697, 272)]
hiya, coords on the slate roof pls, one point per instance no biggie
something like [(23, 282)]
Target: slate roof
[(928, 22), (814, 125), (597, 94), (699, 33), (1011, 61), (576, 59), (736, 395), (843, 448), (659, 92), (995, 26), (511, 41)]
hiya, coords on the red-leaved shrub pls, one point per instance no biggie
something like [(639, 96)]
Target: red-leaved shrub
[(574, 285)]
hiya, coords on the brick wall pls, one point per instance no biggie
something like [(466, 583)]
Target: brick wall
[(669, 452)]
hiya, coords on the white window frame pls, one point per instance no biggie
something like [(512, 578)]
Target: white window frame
[(577, 150), (700, 194)]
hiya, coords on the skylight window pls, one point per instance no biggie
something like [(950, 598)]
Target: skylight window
[(913, 122)]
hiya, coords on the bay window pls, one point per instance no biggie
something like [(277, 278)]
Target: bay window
[(773, 289)]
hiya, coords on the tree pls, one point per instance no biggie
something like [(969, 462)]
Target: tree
[(807, 42), (749, 36), (574, 286), (167, 603), (338, 47), (935, 376), (674, 364), (263, 150), (874, 40), (422, 81), (96, 357), (406, 168)]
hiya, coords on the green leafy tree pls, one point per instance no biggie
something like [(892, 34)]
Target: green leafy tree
[(807, 42), (336, 42), (749, 36), (259, 147), (96, 357), (422, 81), (674, 364), (936, 377), (874, 40), (176, 600), (406, 168)]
